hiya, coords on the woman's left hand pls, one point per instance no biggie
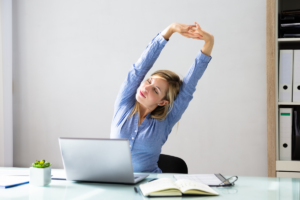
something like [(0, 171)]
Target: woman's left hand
[(204, 35)]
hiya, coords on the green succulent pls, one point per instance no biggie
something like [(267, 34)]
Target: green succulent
[(41, 164)]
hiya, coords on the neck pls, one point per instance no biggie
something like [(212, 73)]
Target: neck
[(143, 111)]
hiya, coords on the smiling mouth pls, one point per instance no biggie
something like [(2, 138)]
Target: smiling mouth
[(142, 94)]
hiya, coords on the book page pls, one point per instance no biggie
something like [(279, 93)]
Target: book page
[(168, 192), (191, 187), (161, 184)]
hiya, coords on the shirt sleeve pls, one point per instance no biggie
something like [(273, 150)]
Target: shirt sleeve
[(137, 72), (187, 88)]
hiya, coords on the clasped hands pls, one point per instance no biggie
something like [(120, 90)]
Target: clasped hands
[(191, 31)]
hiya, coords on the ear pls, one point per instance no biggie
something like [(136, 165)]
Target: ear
[(163, 102)]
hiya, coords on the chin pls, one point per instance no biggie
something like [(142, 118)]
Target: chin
[(140, 100)]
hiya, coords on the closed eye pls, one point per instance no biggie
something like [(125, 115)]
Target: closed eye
[(153, 88)]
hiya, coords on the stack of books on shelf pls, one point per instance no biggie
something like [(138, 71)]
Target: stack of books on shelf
[(289, 24)]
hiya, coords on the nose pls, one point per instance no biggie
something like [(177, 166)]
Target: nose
[(147, 88)]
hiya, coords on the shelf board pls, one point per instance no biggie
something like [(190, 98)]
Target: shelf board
[(293, 165), (288, 39), (288, 103)]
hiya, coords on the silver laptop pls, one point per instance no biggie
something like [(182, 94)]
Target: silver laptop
[(98, 160)]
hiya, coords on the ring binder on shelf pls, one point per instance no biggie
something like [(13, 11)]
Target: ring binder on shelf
[(296, 135), (285, 133), (285, 75), (296, 78)]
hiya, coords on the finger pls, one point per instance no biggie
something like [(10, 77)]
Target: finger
[(186, 35), (193, 29), (190, 36), (190, 27), (194, 34), (191, 33), (197, 38), (186, 24), (197, 25)]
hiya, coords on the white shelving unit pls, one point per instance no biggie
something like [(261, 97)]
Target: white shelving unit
[(289, 169), (288, 39), (288, 103)]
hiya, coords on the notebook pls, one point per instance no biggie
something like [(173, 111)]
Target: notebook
[(211, 180), (167, 187)]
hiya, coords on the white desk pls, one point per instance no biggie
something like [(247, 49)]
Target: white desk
[(252, 188)]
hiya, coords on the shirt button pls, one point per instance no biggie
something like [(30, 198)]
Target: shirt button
[(129, 145), (135, 130), (132, 137)]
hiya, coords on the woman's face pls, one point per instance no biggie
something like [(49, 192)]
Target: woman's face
[(151, 92)]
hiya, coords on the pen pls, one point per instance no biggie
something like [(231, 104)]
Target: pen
[(152, 180), (136, 191)]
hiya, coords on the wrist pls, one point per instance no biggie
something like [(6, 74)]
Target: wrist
[(208, 46), (210, 39), (167, 33), (172, 27)]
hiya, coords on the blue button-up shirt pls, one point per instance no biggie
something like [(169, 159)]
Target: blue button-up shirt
[(147, 139)]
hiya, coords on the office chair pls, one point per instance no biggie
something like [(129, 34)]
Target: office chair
[(172, 164)]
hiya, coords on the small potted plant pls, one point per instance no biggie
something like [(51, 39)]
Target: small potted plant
[(40, 173)]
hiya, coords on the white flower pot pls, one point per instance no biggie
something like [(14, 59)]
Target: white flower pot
[(40, 176)]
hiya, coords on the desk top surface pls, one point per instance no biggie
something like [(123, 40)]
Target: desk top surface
[(252, 188)]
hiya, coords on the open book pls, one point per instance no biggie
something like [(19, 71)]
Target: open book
[(167, 187)]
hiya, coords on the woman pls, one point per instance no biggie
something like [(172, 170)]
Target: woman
[(145, 112)]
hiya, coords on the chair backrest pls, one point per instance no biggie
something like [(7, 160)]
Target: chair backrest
[(172, 164)]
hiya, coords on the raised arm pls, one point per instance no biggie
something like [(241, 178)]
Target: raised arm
[(192, 77), (137, 72)]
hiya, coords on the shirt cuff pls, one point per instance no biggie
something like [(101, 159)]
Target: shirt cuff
[(203, 58), (161, 39)]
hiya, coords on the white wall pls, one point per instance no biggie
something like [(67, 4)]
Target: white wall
[(6, 118), (70, 58)]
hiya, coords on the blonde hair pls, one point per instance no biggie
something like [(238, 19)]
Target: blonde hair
[(174, 81)]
